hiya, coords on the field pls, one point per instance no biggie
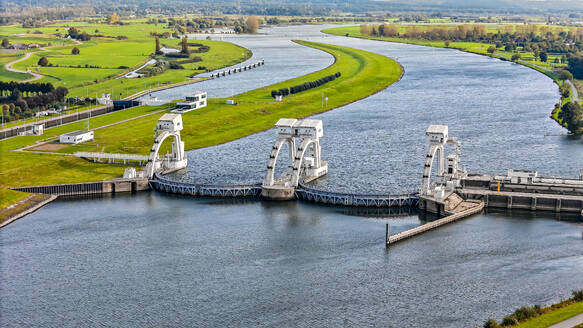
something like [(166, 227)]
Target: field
[(103, 58), (363, 73)]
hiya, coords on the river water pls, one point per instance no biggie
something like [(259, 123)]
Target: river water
[(162, 260)]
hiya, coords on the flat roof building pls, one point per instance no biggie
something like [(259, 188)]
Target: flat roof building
[(76, 137), (197, 100)]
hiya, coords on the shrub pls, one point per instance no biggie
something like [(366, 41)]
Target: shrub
[(121, 37), (578, 295), (509, 320), (43, 61), (565, 75), (123, 67), (75, 51), (491, 323), (175, 65), (515, 57), (524, 313)]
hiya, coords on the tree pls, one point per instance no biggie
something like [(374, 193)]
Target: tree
[(576, 66), (543, 57), (252, 24), (111, 19), (184, 45), (572, 116), (5, 43), (158, 51), (515, 57), (75, 51), (491, 50), (565, 75), (43, 61)]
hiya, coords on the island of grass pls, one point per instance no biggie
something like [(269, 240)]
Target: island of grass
[(549, 67), (363, 73)]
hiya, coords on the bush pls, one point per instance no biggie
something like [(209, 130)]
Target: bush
[(175, 65), (578, 295), (43, 61), (75, 51), (121, 37), (123, 67), (491, 323), (524, 313), (509, 320), (515, 57), (177, 55), (565, 75)]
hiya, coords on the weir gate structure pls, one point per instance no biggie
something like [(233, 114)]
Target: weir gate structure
[(445, 190), (453, 193)]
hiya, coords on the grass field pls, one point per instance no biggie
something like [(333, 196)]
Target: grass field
[(363, 73), (110, 56), (553, 317), (7, 76)]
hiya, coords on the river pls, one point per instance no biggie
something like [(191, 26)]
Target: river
[(161, 260)]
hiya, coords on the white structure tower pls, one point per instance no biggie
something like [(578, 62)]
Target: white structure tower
[(306, 162), (448, 172), (169, 125)]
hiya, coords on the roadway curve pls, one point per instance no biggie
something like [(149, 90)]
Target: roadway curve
[(574, 92), (35, 76)]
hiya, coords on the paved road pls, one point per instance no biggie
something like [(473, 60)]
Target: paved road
[(573, 91), (35, 76), (569, 323)]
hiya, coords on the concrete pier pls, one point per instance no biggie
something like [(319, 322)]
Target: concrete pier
[(476, 208)]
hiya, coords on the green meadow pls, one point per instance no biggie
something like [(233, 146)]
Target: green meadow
[(103, 59), (363, 73)]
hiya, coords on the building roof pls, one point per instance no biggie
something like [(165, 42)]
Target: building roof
[(308, 123), (169, 117), (287, 122), (76, 133), (441, 129)]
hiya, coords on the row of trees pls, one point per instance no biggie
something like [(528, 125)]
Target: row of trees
[(28, 89), (304, 86), (39, 96), (531, 37)]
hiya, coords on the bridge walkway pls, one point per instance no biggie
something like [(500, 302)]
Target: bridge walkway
[(303, 192)]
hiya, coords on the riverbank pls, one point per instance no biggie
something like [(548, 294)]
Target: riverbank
[(544, 317), (363, 74), (24, 207), (469, 47)]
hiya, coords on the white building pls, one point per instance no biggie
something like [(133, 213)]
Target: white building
[(38, 129), (198, 100), (76, 137), (170, 123)]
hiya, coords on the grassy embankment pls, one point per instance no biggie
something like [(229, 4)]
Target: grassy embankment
[(472, 47), (363, 73), (554, 316), (109, 54)]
